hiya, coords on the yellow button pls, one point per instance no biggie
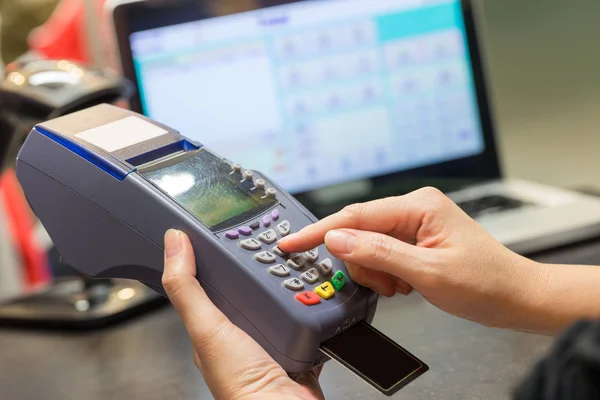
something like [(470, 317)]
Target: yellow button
[(325, 290)]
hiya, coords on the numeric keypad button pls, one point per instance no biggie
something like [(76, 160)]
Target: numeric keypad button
[(296, 262), (250, 244), (279, 252), (312, 255), (265, 257), (268, 237), (293, 284), (284, 228), (279, 270), (325, 266), (310, 276)]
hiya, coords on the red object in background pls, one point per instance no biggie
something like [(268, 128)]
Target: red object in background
[(64, 35), (22, 223)]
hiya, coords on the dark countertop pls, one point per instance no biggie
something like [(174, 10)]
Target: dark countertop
[(150, 358)]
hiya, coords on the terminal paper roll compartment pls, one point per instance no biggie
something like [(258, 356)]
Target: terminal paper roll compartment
[(107, 218)]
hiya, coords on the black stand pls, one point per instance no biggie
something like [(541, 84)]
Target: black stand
[(74, 302)]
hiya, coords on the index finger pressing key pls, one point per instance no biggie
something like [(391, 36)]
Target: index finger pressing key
[(382, 216)]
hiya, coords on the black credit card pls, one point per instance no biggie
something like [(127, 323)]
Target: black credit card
[(374, 357)]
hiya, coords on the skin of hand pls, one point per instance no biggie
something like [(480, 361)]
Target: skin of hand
[(423, 240), (234, 366)]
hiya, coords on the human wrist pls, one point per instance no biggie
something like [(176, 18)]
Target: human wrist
[(533, 315), (523, 296), (570, 293), (546, 300)]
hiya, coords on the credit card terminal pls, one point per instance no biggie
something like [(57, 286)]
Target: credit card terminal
[(107, 184)]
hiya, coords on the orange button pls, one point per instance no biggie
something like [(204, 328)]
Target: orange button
[(308, 298)]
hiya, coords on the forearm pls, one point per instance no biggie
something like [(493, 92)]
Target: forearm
[(556, 296)]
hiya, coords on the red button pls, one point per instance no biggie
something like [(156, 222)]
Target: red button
[(308, 298)]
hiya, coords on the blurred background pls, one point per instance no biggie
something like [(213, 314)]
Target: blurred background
[(544, 59), (543, 62)]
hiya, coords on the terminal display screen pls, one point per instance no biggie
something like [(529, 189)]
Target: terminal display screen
[(204, 185)]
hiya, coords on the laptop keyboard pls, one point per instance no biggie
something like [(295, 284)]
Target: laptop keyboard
[(489, 205)]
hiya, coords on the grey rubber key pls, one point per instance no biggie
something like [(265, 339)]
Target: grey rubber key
[(325, 266), (284, 228), (312, 255), (293, 284), (310, 276), (265, 257), (250, 244), (268, 237), (279, 270), (296, 262), (279, 252)]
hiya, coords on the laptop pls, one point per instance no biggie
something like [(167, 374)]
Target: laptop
[(342, 101)]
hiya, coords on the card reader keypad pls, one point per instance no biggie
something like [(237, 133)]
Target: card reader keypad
[(296, 262), (265, 257), (338, 280), (325, 266), (284, 228), (310, 269), (255, 225), (326, 290), (310, 276), (268, 237), (266, 220), (312, 255), (250, 244), (232, 235), (279, 270), (293, 284), (275, 214), (279, 252), (308, 298)]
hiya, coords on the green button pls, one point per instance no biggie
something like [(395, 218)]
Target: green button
[(338, 280)]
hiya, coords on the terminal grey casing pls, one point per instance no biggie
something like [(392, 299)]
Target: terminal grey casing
[(109, 227)]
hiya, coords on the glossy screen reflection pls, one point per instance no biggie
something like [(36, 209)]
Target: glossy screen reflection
[(204, 186)]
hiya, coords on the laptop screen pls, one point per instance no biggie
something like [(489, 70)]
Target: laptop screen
[(316, 93)]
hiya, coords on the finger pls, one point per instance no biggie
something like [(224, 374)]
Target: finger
[(378, 252), (379, 281), (202, 319), (197, 360), (400, 217), (310, 380), (402, 287)]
